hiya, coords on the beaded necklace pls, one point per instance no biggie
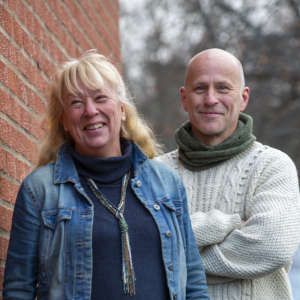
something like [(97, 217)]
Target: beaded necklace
[(128, 274)]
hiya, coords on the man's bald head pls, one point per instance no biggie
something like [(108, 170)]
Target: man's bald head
[(214, 95), (219, 55)]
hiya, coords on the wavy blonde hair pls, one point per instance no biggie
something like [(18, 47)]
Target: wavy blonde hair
[(92, 69)]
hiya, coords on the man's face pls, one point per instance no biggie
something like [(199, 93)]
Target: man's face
[(213, 97)]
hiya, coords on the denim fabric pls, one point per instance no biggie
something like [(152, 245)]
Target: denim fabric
[(50, 251)]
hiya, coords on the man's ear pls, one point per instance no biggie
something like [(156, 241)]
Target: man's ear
[(245, 98), (61, 118), (183, 98)]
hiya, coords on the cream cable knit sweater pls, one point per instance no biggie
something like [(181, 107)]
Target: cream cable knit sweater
[(259, 185)]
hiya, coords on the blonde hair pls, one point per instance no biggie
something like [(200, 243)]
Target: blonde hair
[(92, 69)]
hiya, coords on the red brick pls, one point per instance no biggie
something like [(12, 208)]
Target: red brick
[(22, 92), (12, 81), (3, 215), (23, 65), (27, 121), (32, 74), (3, 72), (5, 132), (27, 43), (46, 40), (35, 129), (21, 169), (11, 165), (9, 220), (1, 277), (5, 220), (4, 46), (6, 103), (35, 51), (30, 150), (17, 114), (2, 160), (8, 22), (11, 4), (5, 189), (29, 20), (20, 9), (14, 192), (14, 139), (1, 16), (23, 144), (6, 242), (18, 36), (33, 151), (30, 97), (56, 52), (39, 105), (14, 56), (37, 30), (2, 253)]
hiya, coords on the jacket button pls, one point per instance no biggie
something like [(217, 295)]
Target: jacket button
[(171, 267), (138, 183), (175, 296), (168, 234), (156, 207)]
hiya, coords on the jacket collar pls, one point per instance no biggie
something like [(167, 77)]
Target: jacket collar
[(65, 169)]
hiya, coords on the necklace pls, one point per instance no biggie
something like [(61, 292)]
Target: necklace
[(128, 274)]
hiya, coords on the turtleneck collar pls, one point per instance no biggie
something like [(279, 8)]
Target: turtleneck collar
[(107, 170)]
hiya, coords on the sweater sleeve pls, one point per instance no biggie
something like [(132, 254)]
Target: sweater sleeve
[(212, 227), (270, 236)]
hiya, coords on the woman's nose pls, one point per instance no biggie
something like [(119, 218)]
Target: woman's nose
[(90, 108)]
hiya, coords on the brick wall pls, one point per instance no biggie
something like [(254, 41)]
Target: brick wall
[(36, 35)]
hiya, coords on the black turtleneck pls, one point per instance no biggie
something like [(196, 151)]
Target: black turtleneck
[(144, 236)]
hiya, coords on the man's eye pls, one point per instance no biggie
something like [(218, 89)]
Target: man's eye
[(222, 87), (199, 88)]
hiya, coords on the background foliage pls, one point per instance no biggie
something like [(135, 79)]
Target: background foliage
[(161, 36)]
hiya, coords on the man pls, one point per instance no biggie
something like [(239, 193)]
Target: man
[(243, 196)]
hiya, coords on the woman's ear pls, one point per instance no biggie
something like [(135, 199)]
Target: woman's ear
[(123, 113), (61, 118)]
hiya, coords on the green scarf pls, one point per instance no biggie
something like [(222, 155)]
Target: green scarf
[(196, 156)]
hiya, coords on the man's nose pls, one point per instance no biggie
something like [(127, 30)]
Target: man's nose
[(211, 97), (90, 108)]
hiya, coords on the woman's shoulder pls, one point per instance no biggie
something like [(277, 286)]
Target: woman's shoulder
[(41, 174)]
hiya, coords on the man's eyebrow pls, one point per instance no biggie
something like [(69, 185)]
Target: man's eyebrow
[(224, 82)]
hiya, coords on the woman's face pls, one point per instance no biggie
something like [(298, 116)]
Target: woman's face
[(93, 118)]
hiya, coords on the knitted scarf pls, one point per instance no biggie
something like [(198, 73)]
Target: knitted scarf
[(196, 156)]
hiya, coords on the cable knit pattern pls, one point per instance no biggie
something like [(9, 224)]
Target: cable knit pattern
[(259, 185)]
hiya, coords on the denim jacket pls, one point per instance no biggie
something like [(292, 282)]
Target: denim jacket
[(50, 250)]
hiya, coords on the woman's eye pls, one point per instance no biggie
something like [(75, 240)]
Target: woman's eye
[(100, 98), (76, 104)]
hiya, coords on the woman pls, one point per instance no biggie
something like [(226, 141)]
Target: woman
[(73, 234)]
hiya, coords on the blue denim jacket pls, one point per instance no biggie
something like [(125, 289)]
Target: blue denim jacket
[(50, 249)]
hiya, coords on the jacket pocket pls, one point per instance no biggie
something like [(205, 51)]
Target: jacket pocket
[(175, 205), (56, 232), (51, 219)]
